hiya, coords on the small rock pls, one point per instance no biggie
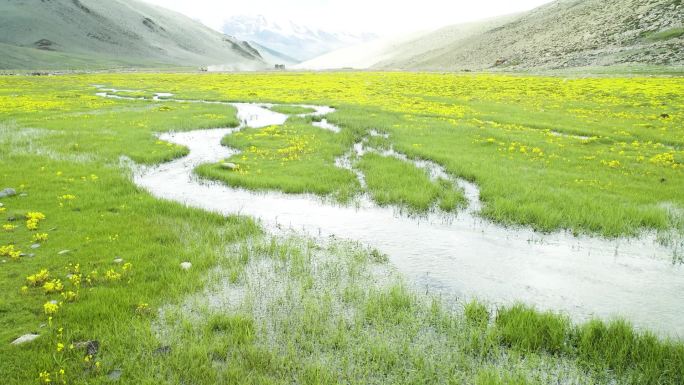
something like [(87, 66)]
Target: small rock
[(8, 192), (118, 260), (91, 347), (162, 351), (64, 252), (35, 245), (229, 166), (25, 338), (186, 265), (115, 374)]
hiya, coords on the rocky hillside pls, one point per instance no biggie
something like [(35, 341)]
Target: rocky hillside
[(562, 34), (78, 34)]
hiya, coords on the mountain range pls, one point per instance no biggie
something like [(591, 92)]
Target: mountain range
[(92, 34), (95, 34), (290, 41), (561, 34)]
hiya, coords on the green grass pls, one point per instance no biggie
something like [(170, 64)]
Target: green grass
[(529, 330), (607, 185), (577, 193), (276, 310), (292, 110), (394, 181), (667, 34), (294, 158), (614, 346)]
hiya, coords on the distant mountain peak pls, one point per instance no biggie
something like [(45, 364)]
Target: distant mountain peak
[(289, 37)]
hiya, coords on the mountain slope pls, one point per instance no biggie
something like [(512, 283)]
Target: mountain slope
[(565, 33), (360, 56), (405, 49), (75, 34), (272, 56), (290, 39)]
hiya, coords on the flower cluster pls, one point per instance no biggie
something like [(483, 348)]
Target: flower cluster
[(10, 251), (33, 219)]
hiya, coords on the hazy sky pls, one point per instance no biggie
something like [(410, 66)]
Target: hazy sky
[(379, 16)]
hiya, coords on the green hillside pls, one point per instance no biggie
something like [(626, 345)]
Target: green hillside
[(91, 34)]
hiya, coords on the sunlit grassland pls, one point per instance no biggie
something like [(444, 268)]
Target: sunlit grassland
[(509, 134), (292, 110), (317, 313), (394, 181), (295, 158)]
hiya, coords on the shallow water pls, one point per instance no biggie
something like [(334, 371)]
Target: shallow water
[(462, 255)]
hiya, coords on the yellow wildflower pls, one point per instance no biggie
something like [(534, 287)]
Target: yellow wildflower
[(10, 251), (39, 278), (40, 237), (69, 296), (32, 224), (142, 308), (75, 279), (112, 275), (53, 286), (35, 215), (44, 377), (50, 308)]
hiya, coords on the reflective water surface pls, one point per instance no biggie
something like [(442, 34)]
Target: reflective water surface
[(461, 255)]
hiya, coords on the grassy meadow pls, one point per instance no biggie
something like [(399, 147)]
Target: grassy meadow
[(92, 264)]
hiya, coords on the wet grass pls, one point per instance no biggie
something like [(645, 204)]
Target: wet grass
[(518, 149), (529, 174), (609, 346), (332, 314), (68, 169), (294, 158), (274, 310), (393, 181), (292, 110)]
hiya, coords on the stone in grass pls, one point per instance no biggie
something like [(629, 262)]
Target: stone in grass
[(186, 265), (118, 261), (115, 375), (91, 347), (162, 351), (35, 245), (8, 192), (229, 166), (25, 338)]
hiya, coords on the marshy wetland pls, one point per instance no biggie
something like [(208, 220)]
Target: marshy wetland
[(342, 228)]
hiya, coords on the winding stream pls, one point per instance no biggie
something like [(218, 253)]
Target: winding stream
[(463, 255)]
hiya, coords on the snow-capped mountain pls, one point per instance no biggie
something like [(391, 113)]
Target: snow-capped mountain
[(289, 38)]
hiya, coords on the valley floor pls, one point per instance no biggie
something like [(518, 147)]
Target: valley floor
[(96, 266)]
